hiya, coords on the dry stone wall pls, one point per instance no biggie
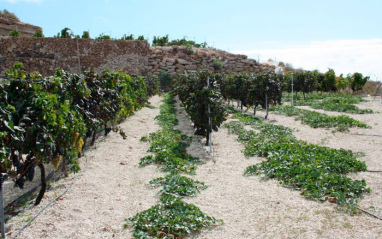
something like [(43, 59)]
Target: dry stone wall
[(133, 57), (177, 59), (47, 54)]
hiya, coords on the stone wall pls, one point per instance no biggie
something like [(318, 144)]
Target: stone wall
[(133, 57), (7, 25), (177, 59), (47, 54)]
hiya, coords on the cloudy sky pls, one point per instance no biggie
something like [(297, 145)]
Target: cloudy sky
[(309, 34)]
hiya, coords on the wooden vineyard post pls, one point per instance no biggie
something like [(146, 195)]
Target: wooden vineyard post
[(292, 90), (2, 208), (210, 125)]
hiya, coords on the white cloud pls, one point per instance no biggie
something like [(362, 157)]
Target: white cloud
[(31, 1), (344, 56)]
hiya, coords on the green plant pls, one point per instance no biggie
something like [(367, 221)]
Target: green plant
[(201, 97), (38, 33), (189, 49), (103, 37), (217, 64), (178, 186), (318, 120), (14, 33), (47, 120), (171, 217), (164, 81), (160, 41), (141, 38), (358, 81), (319, 172), (128, 37), (170, 220), (85, 35), (65, 33)]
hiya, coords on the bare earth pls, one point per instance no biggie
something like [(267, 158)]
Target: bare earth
[(113, 187)]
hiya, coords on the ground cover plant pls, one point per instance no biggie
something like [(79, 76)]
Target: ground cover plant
[(319, 172), (318, 120), (334, 102), (171, 218)]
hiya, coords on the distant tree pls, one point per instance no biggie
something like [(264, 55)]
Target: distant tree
[(329, 83), (358, 81), (281, 64), (38, 33), (65, 33), (85, 35), (342, 82)]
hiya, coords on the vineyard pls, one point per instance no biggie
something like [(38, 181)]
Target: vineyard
[(281, 167)]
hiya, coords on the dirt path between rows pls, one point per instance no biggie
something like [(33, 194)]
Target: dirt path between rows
[(113, 188)]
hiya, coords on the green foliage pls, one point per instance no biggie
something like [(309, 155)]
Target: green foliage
[(48, 119), (217, 64), (65, 33), (38, 33), (263, 89), (103, 37), (197, 96), (85, 35), (164, 81), (160, 41), (128, 37), (164, 41), (358, 81), (319, 172), (170, 220), (14, 33), (178, 186), (329, 82), (189, 49), (141, 38), (335, 102), (339, 104), (152, 82), (342, 82), (318, 120)]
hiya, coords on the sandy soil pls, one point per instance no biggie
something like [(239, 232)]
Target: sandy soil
[(113, 187)]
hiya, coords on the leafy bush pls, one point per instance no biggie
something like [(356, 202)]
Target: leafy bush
[(85, 35), (14, 33), (217, 64), (198, 98), (164, 81), (38, 33)]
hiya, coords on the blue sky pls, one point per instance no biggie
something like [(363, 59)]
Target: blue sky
[(311, 34)]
